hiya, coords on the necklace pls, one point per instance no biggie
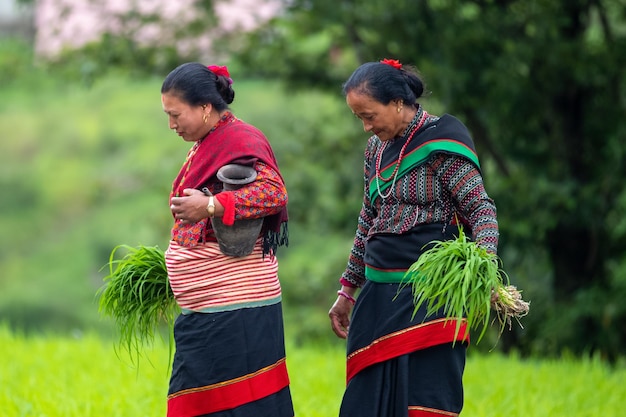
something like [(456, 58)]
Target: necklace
[(421, 119)]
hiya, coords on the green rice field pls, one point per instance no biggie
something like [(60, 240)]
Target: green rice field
[(51, 376)]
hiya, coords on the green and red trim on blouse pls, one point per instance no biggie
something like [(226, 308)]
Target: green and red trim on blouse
[(446, 135)]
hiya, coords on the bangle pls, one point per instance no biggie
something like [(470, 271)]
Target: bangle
[(346, 295), (211, 207)]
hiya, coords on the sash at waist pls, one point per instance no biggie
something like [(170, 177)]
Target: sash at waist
[(388, 256)]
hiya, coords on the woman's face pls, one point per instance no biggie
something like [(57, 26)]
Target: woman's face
[(383, 120), (187, 121)]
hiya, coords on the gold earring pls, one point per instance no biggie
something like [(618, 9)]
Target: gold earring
[(399, 109), (205, 116)]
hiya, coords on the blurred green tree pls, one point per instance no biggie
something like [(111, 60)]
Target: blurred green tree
[(542, 87)]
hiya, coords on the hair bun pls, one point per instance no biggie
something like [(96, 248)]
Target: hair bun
[(224, 82), (221, 71)]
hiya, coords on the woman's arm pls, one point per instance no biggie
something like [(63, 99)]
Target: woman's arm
[(462, 179), (265, 196)]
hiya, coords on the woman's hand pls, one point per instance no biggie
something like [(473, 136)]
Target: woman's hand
[(190, 208), (340, 316)]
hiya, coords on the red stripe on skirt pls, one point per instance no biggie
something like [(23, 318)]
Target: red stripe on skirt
[(229, 394), (429, 412), (405, 341)]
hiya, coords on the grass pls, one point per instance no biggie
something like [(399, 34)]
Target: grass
[(498, 385), (137, 295), (464, 280), (82, 376)]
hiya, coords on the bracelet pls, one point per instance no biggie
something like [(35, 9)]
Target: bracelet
[(346, 295), (211, 207)]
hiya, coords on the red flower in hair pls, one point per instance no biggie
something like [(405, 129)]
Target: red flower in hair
[(220, 71), (392, 62)]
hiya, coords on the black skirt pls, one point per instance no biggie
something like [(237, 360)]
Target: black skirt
[(230, 364), (398, 366)]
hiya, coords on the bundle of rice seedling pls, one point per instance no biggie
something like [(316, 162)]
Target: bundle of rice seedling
[(137, 295), (466, 281)]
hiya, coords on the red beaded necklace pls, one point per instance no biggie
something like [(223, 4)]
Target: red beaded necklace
[(379, 157)]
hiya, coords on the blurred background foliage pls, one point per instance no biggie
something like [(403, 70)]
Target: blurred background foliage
[(87, 159)]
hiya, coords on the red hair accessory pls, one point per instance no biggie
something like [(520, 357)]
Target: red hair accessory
[(220, 70), (392, 62)]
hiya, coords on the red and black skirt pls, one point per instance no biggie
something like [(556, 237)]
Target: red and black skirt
[(401, 363), (231, 364)]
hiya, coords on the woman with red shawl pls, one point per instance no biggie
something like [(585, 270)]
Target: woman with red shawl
[(230, 353)]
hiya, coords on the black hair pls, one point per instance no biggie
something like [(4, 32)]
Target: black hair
[(385, 83), (197, 85)]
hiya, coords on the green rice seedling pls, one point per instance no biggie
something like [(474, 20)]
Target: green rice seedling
[(465, 281), (137, 295)]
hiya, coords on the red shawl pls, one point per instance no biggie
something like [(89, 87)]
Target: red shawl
[(232, 141)]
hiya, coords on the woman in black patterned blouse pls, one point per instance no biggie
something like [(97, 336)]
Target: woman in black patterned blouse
[(422, 182)]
